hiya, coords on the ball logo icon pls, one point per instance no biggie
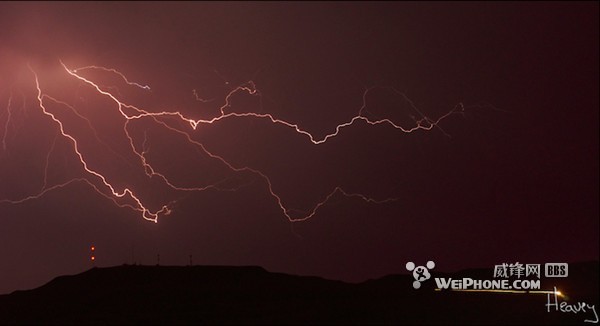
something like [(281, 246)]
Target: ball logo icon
[(420, 273)]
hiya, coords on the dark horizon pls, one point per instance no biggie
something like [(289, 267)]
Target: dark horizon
[(463, 272), (225, 294), (509, 174)]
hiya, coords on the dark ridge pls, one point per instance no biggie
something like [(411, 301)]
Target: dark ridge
[(224, 294)]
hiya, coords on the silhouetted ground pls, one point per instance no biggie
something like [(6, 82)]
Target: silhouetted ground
[(218, 294)]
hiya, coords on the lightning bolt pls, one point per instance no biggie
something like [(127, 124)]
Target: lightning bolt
[(48, 162), (9, 113), (127, 198), (111, 70), (200, 99)]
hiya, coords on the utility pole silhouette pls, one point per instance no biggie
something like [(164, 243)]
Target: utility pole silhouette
[(191, 263), (157, 259)]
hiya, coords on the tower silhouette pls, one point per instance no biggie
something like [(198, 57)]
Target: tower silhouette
[(93, 255)]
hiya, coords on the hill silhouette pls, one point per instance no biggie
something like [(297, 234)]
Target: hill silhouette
[(223, 294)]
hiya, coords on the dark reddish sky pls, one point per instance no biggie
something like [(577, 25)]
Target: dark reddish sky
[(514, 183)]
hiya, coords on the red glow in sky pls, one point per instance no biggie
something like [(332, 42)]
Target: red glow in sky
[(461, 133)]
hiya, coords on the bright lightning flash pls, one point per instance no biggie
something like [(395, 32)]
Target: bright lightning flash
[(127, 198)]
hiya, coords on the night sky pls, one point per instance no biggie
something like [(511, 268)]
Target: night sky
[(511, 178)]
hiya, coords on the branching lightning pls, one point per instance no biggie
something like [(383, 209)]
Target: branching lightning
[(8, 113), (126, 197), (144, 87), (48, 162)]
